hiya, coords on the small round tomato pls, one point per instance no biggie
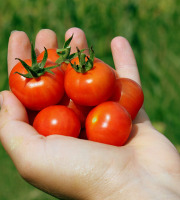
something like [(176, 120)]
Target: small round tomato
[(129, 94), (58, 120), (81, 111), (89, 82), (108, 123), (37, 93)]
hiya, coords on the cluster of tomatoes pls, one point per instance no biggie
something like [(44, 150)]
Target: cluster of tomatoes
[(76, 95)]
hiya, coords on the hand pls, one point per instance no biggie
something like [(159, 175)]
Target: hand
[(147, 167)]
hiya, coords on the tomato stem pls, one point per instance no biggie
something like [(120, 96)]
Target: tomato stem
[(38, 68), (65, 53), (85, 62)]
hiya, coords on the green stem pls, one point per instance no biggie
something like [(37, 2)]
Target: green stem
[(65, 53), (37, 69), (84, 66)]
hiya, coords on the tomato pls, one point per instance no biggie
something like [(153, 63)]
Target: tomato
[(129, 94), (57, 119), (37, 93), (89, 82), (53, 57), (108, 123), (81, 111)]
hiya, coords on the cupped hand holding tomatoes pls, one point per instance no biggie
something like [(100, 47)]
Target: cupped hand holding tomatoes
[(37, 84), (108, 123), (57, 120), (89, 81), (129, 94)]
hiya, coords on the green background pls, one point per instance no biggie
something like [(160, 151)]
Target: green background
[(151, 27)]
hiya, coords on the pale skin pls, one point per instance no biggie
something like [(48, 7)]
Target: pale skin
[(147, 167)]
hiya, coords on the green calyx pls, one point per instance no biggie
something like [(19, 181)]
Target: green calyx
[(84, 66), (38, 68), (65, 53)]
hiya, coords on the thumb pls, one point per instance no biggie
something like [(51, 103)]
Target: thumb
[(11, 108), (12, 111), (14, 127)]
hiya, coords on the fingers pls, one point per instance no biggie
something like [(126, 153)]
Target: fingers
[(124, 59), (19, 46), (79, 39), (45, 38)]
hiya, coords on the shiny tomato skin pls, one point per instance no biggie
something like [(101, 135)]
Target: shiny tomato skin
[(108, 123), (37, 93), (57, 120), (90, 88), (129, 94), (81, 111), (52, 56)]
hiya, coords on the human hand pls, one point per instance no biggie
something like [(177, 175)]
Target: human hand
[(147, 167)]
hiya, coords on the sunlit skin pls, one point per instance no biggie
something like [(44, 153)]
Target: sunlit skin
[(147, 167)]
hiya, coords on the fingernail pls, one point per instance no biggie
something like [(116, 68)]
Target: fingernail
[(13, 31)]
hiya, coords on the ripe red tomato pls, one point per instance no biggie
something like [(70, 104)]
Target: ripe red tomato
[(58, 120), (37, 93), (53, 57), (92, 87), (129, 94), (81, 111), (108, 123)]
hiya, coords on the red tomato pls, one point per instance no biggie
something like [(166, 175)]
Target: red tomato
[(37, 93), (53, 57), (81, 111), (129, 94), (92, 87), (108, 123), (58, 120)]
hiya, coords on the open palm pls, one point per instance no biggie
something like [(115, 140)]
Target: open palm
[(147, 167)]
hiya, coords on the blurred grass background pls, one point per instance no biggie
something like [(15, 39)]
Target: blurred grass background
[(151, 27)]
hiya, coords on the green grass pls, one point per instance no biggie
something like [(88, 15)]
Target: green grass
[(151, 27)]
